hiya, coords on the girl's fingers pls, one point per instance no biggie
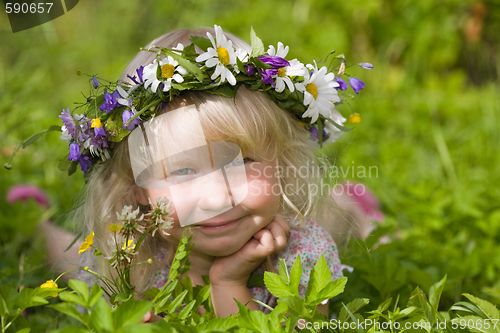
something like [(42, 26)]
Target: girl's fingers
[(279, 235), (264, 244), (283, 222)]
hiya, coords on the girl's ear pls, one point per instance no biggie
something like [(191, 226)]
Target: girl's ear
[(141, 196)]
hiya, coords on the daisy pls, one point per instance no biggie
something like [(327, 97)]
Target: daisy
[(332, 130), (220, 55), (168, 67), (319, 92), (296, 68), (281, 52), (282, 77)]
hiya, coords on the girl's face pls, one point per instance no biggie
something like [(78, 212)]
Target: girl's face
[(241, 217)]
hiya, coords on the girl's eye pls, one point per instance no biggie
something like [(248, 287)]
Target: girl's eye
[(183, 172), (236, 162)]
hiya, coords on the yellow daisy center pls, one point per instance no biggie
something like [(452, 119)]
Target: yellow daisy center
[(281, 72), (311, 88), (223, 56), (96, 123), (167, 71), (355, 118)]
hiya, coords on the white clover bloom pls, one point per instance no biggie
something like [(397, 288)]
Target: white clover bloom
[(221, 55), (332, 130), (160, 216), (168, 68), (319, 92)]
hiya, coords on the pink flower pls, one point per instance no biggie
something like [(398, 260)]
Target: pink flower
[(25, 192), (365, 199)]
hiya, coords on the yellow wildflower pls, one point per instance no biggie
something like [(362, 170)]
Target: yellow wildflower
[(129, 246), (355, 118), (88, 241), (114, 227), (96, 123), (50, 284)]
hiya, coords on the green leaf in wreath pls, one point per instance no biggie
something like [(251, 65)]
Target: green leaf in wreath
[(114, 128), (256, 43)]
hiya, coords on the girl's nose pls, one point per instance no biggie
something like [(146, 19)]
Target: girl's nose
[(214, 194)]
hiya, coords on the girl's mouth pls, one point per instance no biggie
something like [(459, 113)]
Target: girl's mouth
[(218, 226)]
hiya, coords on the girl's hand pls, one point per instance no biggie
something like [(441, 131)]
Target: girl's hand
[(234, 270)]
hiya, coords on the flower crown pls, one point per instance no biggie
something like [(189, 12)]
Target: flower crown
[(113, 110)]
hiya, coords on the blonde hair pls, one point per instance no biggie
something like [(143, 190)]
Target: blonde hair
[(251, 120)]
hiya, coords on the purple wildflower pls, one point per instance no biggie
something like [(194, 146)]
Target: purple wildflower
[(84, 163), (95, 82), (110, 101), (69, 121), (356, 84), (127, 114), (276, 62), (74, 151), (267, 76), (139, 75), (366, 65), (99, 131), (249, 70), (314, 133), (342, 84)]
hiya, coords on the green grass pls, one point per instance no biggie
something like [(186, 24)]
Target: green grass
[(432, 135)]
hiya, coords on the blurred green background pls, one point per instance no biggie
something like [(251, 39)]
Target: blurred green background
[(430, 119)]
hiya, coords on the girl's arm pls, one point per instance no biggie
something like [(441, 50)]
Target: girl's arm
[(57, 242), (229, 275), (223, 299)]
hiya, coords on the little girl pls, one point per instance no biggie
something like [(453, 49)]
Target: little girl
[(239, 172)]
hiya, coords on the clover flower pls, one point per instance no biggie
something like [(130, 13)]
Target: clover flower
[(130, 219), (220, 55), (51, 285), (159, 216), (167, 68), (88, 242), (122, 255), (319, 92)]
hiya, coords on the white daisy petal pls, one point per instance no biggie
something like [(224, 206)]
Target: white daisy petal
[(155, 85), (181, 70), (230, 77), (178, 78), (212, 62)]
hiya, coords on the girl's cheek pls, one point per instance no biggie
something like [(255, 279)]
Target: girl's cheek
[(262, 183)]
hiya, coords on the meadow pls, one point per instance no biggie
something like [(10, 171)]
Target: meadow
[(430, 124)]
